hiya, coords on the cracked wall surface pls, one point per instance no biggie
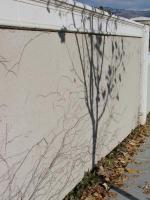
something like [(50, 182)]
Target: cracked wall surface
[(48, 103)]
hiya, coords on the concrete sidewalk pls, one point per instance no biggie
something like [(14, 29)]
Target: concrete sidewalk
[(137, 187)]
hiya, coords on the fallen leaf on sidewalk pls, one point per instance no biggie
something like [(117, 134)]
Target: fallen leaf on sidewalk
[(146, 188), (132, 171), (112, 195)]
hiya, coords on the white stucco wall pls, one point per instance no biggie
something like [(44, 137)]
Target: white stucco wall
[(148, 88), (46, 130), (53, 74)]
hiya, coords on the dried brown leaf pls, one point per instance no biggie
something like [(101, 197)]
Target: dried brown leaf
[(132, 171)]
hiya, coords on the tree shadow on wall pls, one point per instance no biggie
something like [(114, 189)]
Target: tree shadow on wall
[(100, 80)]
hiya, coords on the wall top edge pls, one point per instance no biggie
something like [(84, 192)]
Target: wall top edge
[(66, 14), (98, 11)]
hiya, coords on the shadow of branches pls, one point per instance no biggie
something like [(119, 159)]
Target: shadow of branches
[(100, 80)]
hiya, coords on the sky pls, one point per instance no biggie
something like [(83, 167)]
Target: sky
[(125, 4)]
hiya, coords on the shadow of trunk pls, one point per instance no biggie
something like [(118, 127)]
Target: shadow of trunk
[(124, 193)]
